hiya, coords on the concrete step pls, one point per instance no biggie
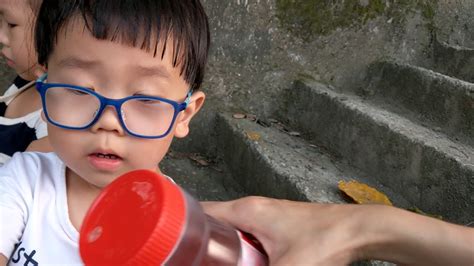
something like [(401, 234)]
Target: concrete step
[(454, 61), (422, 165), (441, 102), (266, 161), (212, 180), (207, 180)]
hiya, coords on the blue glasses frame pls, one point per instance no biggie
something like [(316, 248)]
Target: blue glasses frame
[(42, 87)]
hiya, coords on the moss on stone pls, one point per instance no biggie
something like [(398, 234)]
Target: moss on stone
[(306, 18)]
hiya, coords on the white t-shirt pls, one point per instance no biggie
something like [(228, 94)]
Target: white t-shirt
[(34, 223)]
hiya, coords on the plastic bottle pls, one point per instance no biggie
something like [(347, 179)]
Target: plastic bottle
[(142, 218)]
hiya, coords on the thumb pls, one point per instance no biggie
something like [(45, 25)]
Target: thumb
[(246, 214), (249, 214), (223, 211)]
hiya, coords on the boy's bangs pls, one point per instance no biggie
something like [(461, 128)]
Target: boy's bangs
[(131, 26), (151, 25)]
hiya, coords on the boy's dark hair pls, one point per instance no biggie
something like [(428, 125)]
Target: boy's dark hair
[(138, 23)]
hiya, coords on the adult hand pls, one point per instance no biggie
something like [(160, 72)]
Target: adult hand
[(299, 233), (295, 233)]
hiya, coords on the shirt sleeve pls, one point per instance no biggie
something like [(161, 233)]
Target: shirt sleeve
[(15, 195)]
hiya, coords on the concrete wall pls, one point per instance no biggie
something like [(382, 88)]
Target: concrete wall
[(454, 22), (260, 46)]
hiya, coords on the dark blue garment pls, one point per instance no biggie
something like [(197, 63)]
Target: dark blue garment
[(15, 137)]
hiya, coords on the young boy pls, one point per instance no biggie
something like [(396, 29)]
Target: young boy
[(123, 80)]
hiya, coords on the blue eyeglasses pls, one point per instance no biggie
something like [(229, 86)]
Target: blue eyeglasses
[(73, 107)]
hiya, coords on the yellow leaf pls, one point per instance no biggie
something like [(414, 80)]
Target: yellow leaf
[(253, 136), (363, 194), (238, 116)]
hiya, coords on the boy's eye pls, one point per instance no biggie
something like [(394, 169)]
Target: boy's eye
[(77, 92), (148, 101)]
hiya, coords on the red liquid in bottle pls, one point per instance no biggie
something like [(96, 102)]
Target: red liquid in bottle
[(144, 219)]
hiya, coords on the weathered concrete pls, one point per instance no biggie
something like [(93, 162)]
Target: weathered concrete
[(454, 22), (267, 161), (422, 165), (441, 101), (454, 61), (260, 47), (205, 182)]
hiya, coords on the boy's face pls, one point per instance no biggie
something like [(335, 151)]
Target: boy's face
[(114, 71), (16, 37)]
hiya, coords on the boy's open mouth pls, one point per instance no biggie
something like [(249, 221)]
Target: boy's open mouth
[(107, 156), (105, 161)]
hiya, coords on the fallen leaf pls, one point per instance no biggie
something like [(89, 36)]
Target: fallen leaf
[(217, 169), (280, 127), (251, 117), (202, 162), (254, 136), (199, 159), (294, 133), (363, 194), (238, 116)]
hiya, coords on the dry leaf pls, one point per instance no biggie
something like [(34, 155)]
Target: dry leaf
[(251, 117), (294, 134), (363, 194), (238, 116), (254, 136), (199, 159)]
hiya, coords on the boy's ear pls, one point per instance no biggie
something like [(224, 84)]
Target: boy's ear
[(182, 122), (39, 70)]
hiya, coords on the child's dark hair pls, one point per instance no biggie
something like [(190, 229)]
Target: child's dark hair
[(181, 24)]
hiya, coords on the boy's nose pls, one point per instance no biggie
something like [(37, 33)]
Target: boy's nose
[(4, 40), (108, 121)]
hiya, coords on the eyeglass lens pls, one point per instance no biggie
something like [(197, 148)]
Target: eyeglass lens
[(76, 108)]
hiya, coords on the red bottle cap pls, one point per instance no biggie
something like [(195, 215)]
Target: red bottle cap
[(136, 220)]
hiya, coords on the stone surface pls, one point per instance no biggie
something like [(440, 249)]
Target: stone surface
[(435, 99), (284, 166), (454, 22), (210, 182), (424, 166), (455, 61), (260, 47)]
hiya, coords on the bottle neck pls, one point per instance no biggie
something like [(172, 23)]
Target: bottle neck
[(204, 240)]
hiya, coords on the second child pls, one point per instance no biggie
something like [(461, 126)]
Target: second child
[(21, 126)]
